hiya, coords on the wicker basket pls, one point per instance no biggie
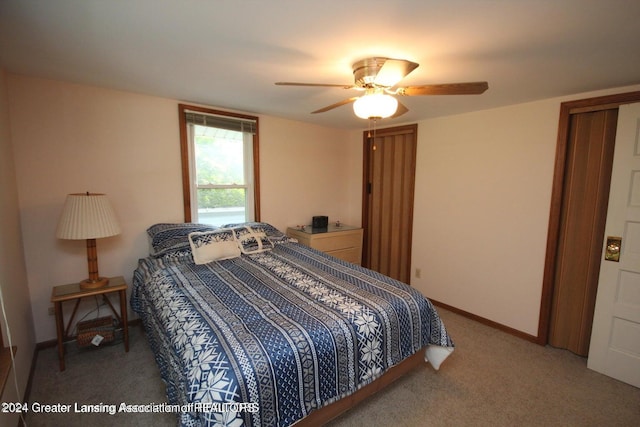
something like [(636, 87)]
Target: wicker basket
[(88, 329)]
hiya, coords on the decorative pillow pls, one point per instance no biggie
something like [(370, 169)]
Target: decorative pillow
[(252, 240), (272, 233), (172, 239), (214, 245)]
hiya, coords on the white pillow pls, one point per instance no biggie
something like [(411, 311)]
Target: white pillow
[(214, 245)]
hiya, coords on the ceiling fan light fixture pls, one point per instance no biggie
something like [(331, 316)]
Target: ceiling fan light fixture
[(379, 77), (375, 105)]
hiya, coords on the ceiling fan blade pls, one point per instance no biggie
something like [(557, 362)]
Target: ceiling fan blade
[(337, 104), (471, 88), (400, 110), (313, 84), (394, 70)]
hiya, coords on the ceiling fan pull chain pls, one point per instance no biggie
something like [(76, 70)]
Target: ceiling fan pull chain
[(373, 140)]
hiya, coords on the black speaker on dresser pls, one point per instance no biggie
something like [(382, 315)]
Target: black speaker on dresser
[(320, 221)]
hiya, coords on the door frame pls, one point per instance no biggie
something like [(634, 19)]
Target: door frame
[(557, 194)]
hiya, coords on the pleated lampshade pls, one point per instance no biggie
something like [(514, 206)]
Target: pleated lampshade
[(87, 216)]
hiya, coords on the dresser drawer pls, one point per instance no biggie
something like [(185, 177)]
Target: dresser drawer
[(353, 255), (339, 240), (344, 243)]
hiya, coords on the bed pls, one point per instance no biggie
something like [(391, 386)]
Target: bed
[(249, 327)]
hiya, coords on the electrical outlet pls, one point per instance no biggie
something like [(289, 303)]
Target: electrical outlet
[(418, 273), (52, 311)]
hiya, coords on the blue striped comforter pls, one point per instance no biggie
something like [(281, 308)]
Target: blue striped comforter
[(284, 332)]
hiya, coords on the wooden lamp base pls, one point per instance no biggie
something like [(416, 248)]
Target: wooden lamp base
[(94, 284), (94, 281)]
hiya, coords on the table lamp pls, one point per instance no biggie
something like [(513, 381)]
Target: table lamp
[(88, 216)]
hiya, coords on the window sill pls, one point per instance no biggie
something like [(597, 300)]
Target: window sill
[(5, 365)]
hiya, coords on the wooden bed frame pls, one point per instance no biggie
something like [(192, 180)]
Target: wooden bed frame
[(329, 412)]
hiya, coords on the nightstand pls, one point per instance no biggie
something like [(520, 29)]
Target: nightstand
[(344, 241), (73, 291)]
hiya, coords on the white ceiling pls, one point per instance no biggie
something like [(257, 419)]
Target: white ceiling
[(229, 53)]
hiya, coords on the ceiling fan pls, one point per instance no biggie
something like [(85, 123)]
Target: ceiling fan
[(378, 77)]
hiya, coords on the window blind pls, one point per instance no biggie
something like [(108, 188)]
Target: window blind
[(223, 122)]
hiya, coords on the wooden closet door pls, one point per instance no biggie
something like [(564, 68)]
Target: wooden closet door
[(583, 215), (389, 181)]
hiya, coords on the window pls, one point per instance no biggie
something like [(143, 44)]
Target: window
[(219, 166)]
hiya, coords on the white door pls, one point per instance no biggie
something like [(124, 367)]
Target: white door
[(615, 338)]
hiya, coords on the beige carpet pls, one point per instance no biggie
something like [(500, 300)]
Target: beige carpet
[(491, 379)]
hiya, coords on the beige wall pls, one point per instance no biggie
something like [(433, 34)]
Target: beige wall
[(481, 211), (13, 275), (483, 190), (307, 170), (74, 138)]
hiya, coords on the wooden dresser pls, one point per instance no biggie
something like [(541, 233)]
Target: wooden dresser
[(344, 242)]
